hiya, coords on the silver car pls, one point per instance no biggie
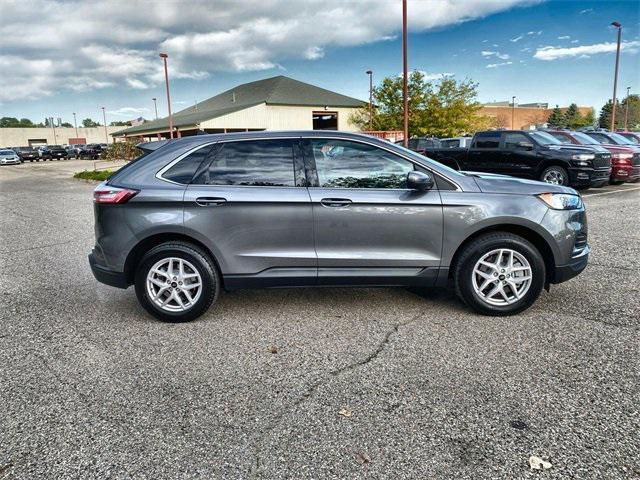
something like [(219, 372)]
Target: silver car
[(318, 208), (9, 157)]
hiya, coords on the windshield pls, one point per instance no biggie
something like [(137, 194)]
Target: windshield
[(620, 140), (545, 138), (584, 139), (7, 152)]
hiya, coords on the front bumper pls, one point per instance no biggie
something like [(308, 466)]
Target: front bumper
[(573, 268), (600, 176), (106, 276), (10, 161), (580, 177), (625, 173)]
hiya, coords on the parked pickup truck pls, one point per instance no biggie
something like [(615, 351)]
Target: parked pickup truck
[(529, 154)]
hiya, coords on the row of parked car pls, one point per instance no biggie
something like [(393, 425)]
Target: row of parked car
[(15, 155), (580, 159)]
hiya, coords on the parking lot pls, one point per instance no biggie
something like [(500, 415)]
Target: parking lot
[(308, 383)]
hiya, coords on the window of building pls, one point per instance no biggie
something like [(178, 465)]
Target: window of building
[(253, 163), (325, 120), (346, 164)]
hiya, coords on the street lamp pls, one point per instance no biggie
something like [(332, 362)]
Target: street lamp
[(626, 111), (513, 110), (164, 57), (615, 75), (104, 119), (155, 106), (370, 73), (405, 72), (75, 124)]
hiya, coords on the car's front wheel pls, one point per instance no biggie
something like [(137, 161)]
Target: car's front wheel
[(555, 175), (176, 282), (499, 274)]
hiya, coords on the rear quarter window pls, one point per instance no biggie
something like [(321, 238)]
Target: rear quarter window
[(185, 169)]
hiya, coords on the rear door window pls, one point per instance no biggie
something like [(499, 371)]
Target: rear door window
[(513, 141), (257, 163), (487, 140)]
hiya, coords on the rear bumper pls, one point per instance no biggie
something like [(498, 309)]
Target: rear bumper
[(571, 269), (106, 276)]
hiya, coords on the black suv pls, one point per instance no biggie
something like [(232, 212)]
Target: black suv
[(91, 151)]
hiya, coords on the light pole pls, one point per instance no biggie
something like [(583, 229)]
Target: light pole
[(405, 72), (370, 73), (155, 106), (626, 111), (53, 128), (75, 123), (615, 76), (104, 119), (164, 57), (513, 110)]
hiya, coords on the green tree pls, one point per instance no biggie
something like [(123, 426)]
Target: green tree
[(122, 150), (88, 123), (572, 116), (447, 108), (66, 125), (634, 112), (557, 119), (9, 122)]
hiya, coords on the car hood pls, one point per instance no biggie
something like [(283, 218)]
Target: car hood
[(570, 148), (494, 183)]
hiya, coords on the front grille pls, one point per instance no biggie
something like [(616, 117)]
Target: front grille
[(580, 243), (636, 159), (602, 160)]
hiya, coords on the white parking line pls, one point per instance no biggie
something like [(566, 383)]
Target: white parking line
[(610, 192)]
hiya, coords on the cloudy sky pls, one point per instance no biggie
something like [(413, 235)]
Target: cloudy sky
[(76, 56)]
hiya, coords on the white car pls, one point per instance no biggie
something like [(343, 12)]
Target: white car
[(9, 157)]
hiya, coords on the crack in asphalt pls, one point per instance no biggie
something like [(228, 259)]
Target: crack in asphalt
[(313, 388)]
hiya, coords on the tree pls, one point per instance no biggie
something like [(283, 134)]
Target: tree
[(604, 120), (557, 119), (447, 108), (120, 124), (634, 112), (88, 123), (572, 116), (66, 125), (122, 150)]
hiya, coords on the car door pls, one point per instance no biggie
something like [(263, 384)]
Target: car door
[(518, 156), (484, 154), (369, 228), (250, 205)]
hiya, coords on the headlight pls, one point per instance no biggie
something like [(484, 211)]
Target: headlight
[(561, 201), (583, 156)]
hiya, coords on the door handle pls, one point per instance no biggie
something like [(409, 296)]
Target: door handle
[(210, 201), (335, 202)]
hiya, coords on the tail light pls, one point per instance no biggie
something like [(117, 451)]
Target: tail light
[(107, 194)]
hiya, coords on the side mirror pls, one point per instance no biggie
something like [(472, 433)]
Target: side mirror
[(420, 181), (525, 145)]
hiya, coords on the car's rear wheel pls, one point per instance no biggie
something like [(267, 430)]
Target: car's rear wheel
[(499, 274), (176, 282), (555, 175)]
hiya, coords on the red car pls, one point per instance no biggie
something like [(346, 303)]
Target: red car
[(625, 161)]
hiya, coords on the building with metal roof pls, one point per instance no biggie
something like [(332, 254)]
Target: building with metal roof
[(277, 103)]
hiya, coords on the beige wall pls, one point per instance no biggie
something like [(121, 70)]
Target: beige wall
[(523, 117), (19, 137), (279, 117)]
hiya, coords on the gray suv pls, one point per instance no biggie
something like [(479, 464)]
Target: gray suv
[(318, 208)]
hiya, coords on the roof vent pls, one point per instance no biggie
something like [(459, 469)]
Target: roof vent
[(233, 97)]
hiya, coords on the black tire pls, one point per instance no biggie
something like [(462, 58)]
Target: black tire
[(199, 259), (475, 250), (616, 182), (555, 171)]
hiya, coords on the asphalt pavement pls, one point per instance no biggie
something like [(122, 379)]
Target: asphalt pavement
[(308, 383)]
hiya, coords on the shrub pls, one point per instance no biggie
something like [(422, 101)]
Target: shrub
[(99, 175), (122, 151)]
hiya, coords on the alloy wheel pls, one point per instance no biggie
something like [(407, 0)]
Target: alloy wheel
[(501, 277), (174, 284)]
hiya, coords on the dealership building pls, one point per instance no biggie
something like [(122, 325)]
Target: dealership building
[(521, 116), (277, 103)]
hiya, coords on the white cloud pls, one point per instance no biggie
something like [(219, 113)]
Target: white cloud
[(517, 39), (553, 53), (564, 37), (128, 111), (52, 46), (489, 54), (575, 41), (539, 32), (586, 10), (436, 76), (496, 65)]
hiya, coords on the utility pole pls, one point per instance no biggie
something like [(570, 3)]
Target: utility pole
[(370, 73), (615, 76), (104, 119), (164, 57), (53, 127), (155, 106), (75, 123), (626, 111), (513, 111), (405, 73)]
